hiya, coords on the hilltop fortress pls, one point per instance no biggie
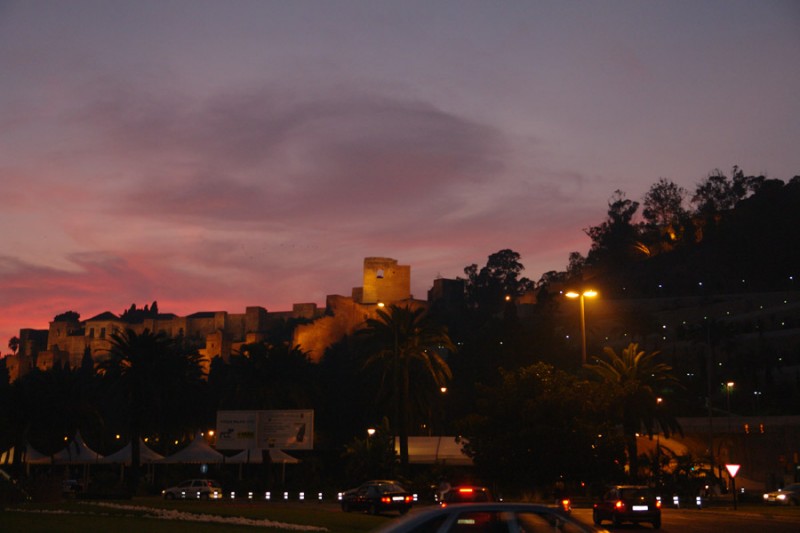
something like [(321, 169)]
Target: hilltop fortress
[(70, 342)]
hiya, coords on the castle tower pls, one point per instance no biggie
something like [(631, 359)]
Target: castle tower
[(385, 281)]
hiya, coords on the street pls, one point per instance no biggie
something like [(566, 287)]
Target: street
[(713, 520)]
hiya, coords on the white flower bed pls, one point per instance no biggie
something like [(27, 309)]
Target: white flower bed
[(171, 514)]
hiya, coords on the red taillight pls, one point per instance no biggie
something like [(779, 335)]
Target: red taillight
[(619, 505), (386, 499), (566, 504), (658, 504), (409, 499), (465, 490)]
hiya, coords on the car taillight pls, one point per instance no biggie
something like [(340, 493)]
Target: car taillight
[(409, 499), (658, 504), (386, 499), (619, 505), (566, 504), (465, 490)]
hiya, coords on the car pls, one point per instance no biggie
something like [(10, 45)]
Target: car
[(466, 494), (488, 517), (788, 495), (377, 496), (71, 487), (194, 489), (628, 503)]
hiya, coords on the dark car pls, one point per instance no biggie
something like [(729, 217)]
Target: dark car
[(377, 496), (466, 494), (71, 487), (489, 517), (628, 503), (788, 495)]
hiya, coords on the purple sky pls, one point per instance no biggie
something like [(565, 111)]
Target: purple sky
[(217, 154)]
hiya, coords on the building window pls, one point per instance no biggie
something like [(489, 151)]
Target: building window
[(91, 332), (102, 333), (379, 274)]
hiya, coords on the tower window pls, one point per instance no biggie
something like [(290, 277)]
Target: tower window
[(379, 274)]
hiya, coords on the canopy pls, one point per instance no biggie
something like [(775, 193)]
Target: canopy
[(198, 451), (433, 450), (255, 456), (76, 452), (35, 457), (123, 456)]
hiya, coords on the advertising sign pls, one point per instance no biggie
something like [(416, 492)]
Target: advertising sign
[(236, 430), (286, 430), (279, 429)]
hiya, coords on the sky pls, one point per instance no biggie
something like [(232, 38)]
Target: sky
[(213, 155)]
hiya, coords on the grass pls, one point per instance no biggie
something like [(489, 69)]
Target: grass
[(80, 517)]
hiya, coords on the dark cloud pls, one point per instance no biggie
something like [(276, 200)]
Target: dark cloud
[(264, 154)]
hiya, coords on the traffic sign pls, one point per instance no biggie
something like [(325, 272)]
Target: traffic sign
[(732, 469)]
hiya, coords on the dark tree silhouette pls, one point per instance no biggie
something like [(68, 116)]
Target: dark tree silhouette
[(153, 377), (403, 338), (635, 379)]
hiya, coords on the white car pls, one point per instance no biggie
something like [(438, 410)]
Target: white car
[(788, 495), (194, 489)]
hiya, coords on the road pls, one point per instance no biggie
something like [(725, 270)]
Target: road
[(712, 520)]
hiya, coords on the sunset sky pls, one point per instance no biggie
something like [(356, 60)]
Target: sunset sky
[(217, 154)]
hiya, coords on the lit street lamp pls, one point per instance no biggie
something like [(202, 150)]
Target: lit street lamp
[(728, 388), (582, 296)]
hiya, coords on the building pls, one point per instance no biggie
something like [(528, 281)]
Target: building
[(70, 341)]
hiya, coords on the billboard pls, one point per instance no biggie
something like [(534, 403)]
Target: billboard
[(291, 429)]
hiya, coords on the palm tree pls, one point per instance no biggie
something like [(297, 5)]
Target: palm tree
[(403, 338), (634, 378), (13, 344), (152, 376)]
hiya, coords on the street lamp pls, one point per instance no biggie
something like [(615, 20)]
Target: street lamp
[(659, 401), (582, 296), (728, 388)]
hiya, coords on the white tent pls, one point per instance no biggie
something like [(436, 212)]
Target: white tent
[(435, 450), (31, 456), (198, 451), (255, 456), (76, 452), (123, 456)]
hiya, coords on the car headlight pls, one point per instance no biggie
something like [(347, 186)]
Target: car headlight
[(766, 496), (781, 496)]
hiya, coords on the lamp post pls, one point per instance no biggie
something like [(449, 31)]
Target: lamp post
[(581, 297), (728, 388), (659, 401)]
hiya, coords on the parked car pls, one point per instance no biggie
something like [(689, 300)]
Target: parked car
[(489, 517), (71, 487), (194, 489), (466, 494), (377, 496), (628, 503), (788, 495)]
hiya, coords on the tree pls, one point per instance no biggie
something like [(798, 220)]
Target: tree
[(489, 288), (263, 376), (405, 340), (663, 204), (716, 193), (666, 218), (13, 344), (153, 377), (371, 456), (636, 378), (540, 425), (614, 241)]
